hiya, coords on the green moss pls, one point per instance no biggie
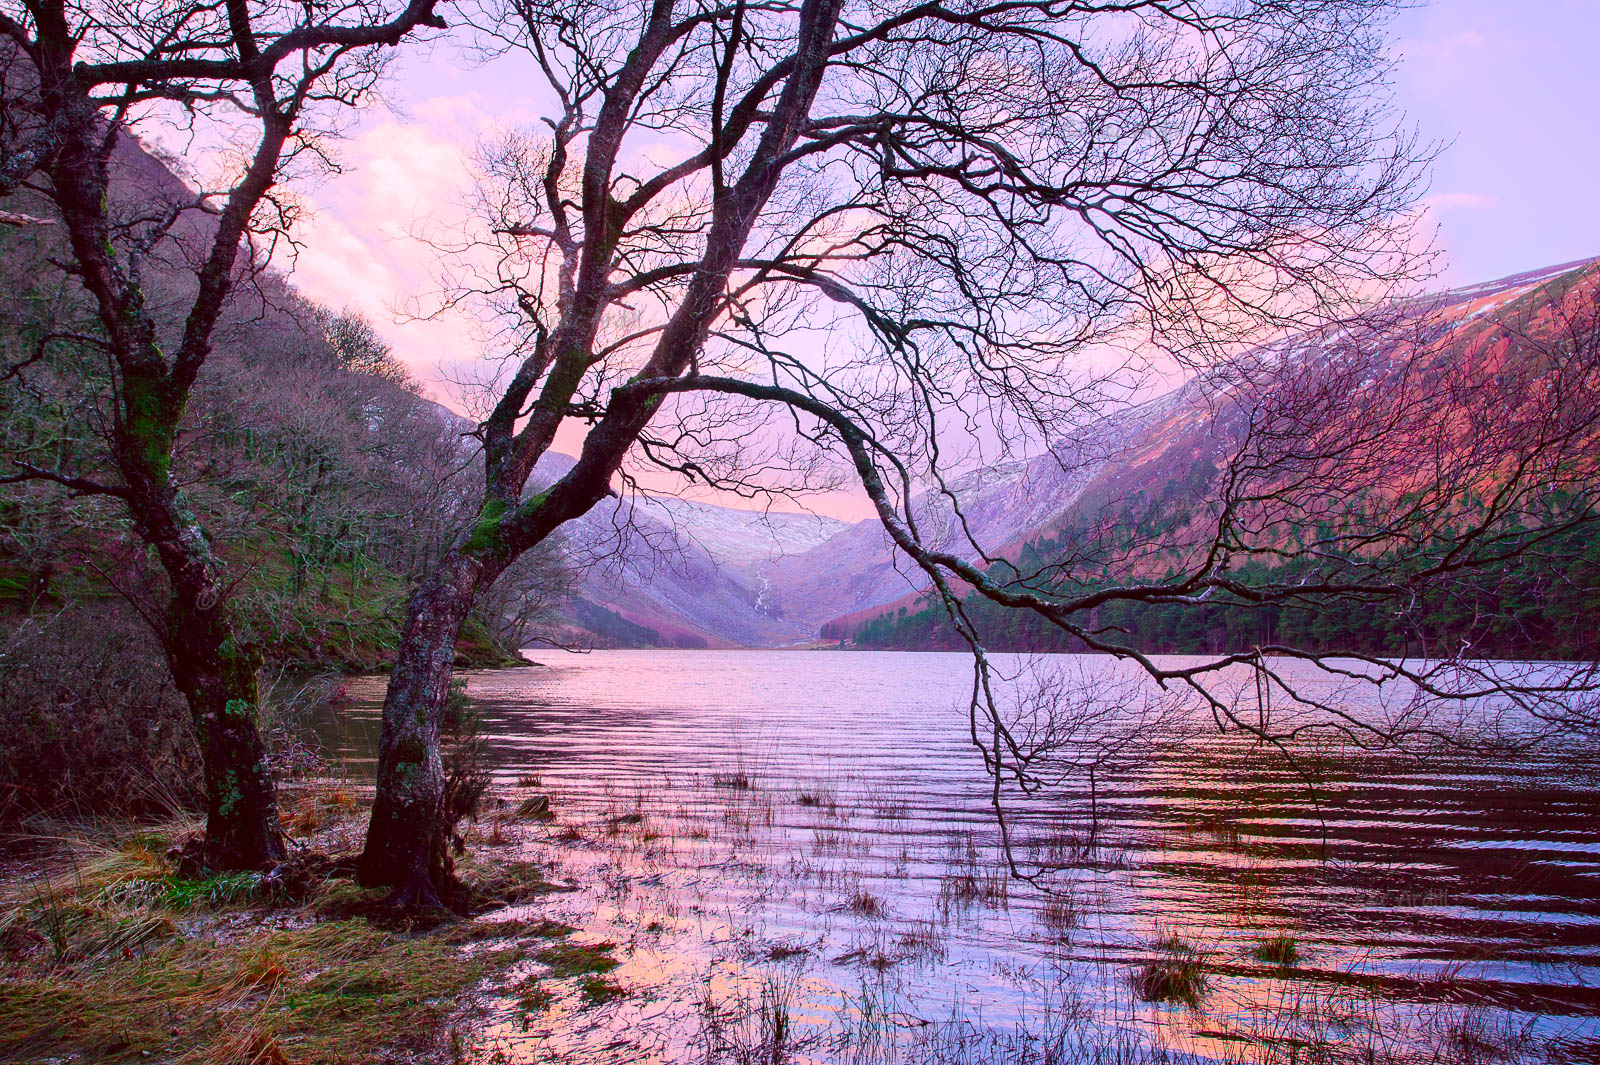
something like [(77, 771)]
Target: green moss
[(149, 424), (239, 668), (486, 534), (487, 531), (229, 793)]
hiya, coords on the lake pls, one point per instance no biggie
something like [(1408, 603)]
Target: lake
[(799, 855)]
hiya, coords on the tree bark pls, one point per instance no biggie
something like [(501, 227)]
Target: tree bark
[(80, 123), (218, 678), (212, 667), (405, 848), (405, 839)]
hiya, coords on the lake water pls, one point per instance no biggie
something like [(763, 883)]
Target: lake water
[(801, 848)]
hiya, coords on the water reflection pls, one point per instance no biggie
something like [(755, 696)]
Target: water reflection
[(803, 840)]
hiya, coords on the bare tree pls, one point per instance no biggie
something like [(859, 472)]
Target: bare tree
[(881, 226), (79, 79)]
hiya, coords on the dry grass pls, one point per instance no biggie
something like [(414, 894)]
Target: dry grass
[(112, 955), (130, 986)]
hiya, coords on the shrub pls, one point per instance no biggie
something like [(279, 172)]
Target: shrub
[(90, 722)]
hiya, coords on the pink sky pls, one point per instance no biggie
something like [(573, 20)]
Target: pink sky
[(1511, 88)]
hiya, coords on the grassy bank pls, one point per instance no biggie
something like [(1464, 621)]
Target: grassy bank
[(109, 954)]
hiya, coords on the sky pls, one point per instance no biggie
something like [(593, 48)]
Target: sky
[(1508, 89), (1512, 87)]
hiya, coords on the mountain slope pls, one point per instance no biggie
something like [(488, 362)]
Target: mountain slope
[(855, 572), (1177, 441)]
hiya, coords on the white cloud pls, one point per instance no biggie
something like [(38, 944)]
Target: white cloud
[(360, 239)]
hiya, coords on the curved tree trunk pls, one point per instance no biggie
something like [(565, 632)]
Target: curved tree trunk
[(405, 839), (75, 115), (405, 847)]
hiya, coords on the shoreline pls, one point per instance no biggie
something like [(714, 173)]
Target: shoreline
[(601, 952)]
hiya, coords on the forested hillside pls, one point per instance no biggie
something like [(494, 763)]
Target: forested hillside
[(1134, 518), (1541, 605), (324, 478)]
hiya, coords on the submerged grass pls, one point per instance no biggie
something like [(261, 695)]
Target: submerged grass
[(1178, 977), (577, 959), (597, 990), (1181, 980)]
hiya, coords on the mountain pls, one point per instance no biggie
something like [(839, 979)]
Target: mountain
[(743, 541), (744, 579), (661, 570), (858, 570), (690, 571)]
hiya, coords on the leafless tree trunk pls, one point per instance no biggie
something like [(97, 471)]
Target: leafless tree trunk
[(880, 220), (76, 76)]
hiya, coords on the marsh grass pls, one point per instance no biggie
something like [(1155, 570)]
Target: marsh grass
[(1282, 950), (175, 892), (531, 994), (829, 841), (737, 1028), (566, 960), (784, 951), (337, 991), (1180, 980), (817, 796), (815, 865), (598, 990), (923, 941), (864, 903), (1059, 914), (1311, 1023), (972, 878), (1179, 977)]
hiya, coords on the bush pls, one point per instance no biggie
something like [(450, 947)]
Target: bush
[(89, 720)]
